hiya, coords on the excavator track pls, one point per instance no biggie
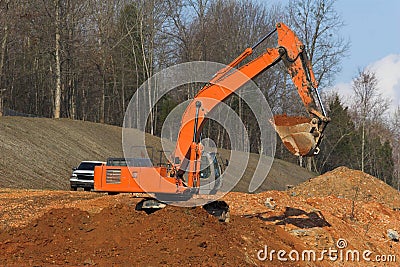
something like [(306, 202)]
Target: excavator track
[(219, 208)]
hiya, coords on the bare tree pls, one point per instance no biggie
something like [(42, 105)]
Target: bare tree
[(4, 40), (396, 146), (318, 25), (57, 96), (369, 105)]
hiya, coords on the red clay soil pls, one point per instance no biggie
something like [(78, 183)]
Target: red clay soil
[(285, 120), (122, 236), (351, 184), (41, 228)]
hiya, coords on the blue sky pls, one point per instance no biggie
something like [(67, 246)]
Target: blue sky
[(373, 28)]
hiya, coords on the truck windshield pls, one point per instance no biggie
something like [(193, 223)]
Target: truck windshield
[(88, 166), (137, 162)]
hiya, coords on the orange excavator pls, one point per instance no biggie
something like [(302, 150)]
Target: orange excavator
[(301, 135)]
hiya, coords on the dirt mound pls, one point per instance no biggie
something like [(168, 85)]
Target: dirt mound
[(114, 233), (322, 222), (285, 120), (350, 184), (86, 228), (120, 235), (38, 153), (19, 207), (343, 210)]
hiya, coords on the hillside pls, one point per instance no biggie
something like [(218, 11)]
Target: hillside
[(38, 153)]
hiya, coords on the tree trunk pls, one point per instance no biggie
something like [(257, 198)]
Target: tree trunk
[(3, 51), (1, 102), (147, 71), (103, 98), (309, 163), (363, 145), (123, 109), (73, 100), (57, 97)]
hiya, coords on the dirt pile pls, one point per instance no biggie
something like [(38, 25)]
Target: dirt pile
[(19, 207), (87, 228), (341, 210), (320, 222), (285, 120), (120, 235), (350, 184)]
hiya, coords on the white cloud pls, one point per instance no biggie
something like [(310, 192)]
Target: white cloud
[(345, 92), (387, 72)]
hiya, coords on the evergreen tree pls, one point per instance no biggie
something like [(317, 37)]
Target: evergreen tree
[(337, 145)]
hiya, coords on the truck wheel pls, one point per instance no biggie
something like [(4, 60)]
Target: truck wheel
[(73, 188)]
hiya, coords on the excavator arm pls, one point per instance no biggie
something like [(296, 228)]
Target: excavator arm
[(300, 135)]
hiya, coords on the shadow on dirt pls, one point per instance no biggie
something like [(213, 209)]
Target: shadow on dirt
[(149, 205), (219, 209), (297, 217)]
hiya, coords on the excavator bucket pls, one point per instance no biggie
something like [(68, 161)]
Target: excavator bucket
[(296, 134)]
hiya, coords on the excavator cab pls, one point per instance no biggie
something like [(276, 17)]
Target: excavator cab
[(210, 174)]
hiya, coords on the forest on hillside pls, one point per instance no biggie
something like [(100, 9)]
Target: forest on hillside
[(84, 60)]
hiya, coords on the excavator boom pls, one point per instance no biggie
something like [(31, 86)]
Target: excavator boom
[(301, 135)]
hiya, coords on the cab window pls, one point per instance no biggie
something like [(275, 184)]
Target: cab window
[(205, 168)]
